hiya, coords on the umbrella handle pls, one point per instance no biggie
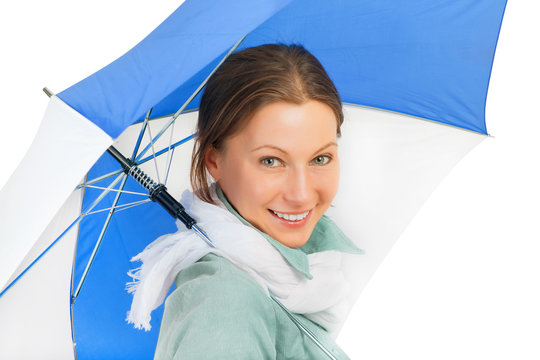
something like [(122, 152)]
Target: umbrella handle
[(157, 192)]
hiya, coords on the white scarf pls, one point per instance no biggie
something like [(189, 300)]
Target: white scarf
[(321, 299)]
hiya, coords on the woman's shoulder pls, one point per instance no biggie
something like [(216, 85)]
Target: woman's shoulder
[(214, 275), (216, 283), (213, 295)]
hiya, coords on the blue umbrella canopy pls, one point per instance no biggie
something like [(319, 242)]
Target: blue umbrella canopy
[(430, 60), (423, 58)]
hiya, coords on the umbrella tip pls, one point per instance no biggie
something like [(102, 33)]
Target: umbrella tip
[(48, 92)]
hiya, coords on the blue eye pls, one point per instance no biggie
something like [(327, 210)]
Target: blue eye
[(270, 162), (321, 160)]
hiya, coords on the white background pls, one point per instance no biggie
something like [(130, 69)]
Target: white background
[(463, 282)]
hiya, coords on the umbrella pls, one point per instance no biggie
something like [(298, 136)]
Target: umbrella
[(263, 35)]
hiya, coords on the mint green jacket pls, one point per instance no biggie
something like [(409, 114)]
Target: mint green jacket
[(218, 312)]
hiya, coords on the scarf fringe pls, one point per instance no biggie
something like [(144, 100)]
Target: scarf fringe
[(135, 274)]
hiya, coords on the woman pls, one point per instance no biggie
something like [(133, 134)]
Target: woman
[(272, 286)]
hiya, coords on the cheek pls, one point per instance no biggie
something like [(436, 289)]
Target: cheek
[(261, 187), (327, 183), (335, 179), (247, 187)]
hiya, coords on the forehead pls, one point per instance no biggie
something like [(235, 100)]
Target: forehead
[(290, 126)]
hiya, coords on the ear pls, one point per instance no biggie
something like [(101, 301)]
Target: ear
[(212, 159)]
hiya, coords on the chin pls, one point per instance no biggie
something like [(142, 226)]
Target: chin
[(292, 241)]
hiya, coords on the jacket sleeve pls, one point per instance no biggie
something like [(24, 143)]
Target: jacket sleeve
[(216, 312)]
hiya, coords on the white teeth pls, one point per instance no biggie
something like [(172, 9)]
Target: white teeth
[(291, 217)]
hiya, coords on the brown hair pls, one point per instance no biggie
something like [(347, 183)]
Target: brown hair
[(247, 81)]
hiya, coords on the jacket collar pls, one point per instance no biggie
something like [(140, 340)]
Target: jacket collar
[(325, 236)]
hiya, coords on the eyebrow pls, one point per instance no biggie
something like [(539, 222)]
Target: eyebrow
[(283, 151)]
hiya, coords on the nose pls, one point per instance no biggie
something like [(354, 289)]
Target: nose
[(299, 187)]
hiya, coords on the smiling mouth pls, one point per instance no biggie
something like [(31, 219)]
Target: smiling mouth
[(291, 217)]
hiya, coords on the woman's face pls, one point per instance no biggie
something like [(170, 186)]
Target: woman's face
[(281, 171)]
